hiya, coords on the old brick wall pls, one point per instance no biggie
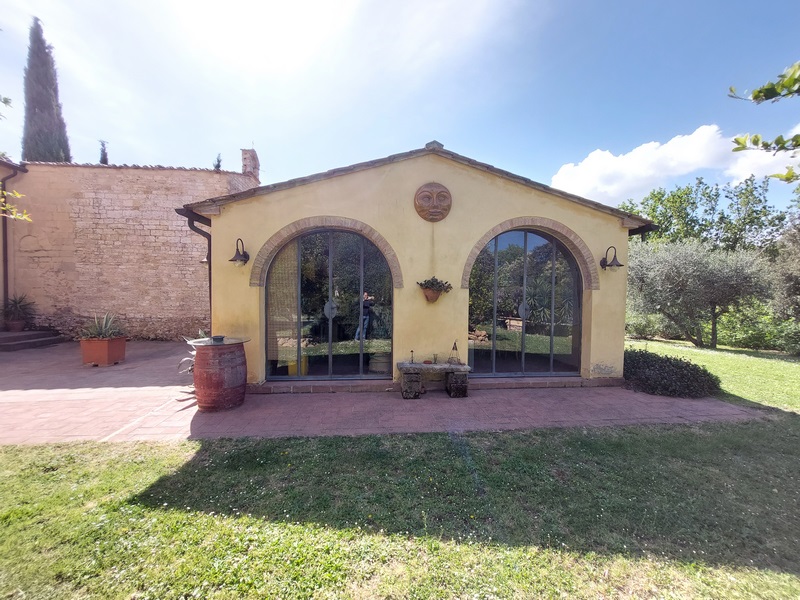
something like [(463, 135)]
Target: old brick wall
[(107, 239)]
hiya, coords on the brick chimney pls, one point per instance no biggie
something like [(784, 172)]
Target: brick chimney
[(250, 163)]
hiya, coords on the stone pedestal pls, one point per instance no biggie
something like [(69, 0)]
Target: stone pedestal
[(457, 384), (411, 384)]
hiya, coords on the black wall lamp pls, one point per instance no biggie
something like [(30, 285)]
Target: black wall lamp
[(241, 257), (612, 264)]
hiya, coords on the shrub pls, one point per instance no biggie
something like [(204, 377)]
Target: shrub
[(649, 326), (667, 375), (790, 337), (752, 325)]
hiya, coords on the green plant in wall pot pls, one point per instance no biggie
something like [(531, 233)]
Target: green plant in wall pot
[(18, 312), (102, 341), (433, 288)]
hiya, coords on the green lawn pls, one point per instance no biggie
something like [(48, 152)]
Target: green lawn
[(664, 512), (768, 378)]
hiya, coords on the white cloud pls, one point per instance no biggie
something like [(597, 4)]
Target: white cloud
[(609, 178)]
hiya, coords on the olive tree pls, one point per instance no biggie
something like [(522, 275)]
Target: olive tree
[(692, 284)]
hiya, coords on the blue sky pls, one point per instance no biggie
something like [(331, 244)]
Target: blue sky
[(604, 99)]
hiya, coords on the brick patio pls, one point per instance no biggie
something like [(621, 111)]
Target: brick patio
[(47, 396)]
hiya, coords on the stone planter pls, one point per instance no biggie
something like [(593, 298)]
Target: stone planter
[(103, 352)]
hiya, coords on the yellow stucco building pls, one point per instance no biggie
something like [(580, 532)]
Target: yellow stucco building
[(330, 288)]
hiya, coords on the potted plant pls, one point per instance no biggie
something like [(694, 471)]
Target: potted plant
[(433, 288), (102, 342), (18, 311)]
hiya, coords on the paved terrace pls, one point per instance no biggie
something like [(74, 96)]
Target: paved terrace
[(47, 396)]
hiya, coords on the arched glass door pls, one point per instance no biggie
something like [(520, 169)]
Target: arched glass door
[(329, 309), (524, 307)]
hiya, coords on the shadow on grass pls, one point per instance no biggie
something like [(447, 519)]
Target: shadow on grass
[(713, 494), (765, 409), (767, 354)]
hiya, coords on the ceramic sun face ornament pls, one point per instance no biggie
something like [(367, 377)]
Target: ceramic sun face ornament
[(433, 202)]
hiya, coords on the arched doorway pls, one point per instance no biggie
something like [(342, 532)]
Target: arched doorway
[(323, 289), (525, 307)]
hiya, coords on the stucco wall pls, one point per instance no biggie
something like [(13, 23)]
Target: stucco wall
[(107, 238), (382, 199)]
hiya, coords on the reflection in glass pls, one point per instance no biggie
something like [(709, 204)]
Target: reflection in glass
[(314, 296), (377, 347), (322, 277), (538, 302), (524, 303)]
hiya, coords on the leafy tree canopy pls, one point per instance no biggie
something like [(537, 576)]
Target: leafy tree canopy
[(729, 218)]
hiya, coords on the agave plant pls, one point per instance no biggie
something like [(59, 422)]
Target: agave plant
[(20, 308), (102, 328), (186, 365)]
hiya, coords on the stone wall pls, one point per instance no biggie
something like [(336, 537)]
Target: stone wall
[(107, 239)]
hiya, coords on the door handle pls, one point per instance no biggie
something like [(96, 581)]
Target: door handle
[(330, 309)]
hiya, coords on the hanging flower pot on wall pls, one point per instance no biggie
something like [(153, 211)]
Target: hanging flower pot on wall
[(431, 295), (433, 288)]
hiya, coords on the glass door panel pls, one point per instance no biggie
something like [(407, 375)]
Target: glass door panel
[(376, 344), (346, 293), (315, 308), (510, 281), (481, 310), (538, 303), (566, 326), (282, 332)]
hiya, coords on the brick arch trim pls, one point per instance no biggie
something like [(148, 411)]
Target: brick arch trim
[(270, 249), (580, 251)]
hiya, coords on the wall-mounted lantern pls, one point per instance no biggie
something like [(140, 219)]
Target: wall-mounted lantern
[(241, 257), (612, 264)]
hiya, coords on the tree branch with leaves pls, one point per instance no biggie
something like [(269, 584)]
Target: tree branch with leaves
[(10, 211), (786, 86)]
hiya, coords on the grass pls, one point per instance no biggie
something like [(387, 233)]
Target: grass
[(705, 511), (765, 378)]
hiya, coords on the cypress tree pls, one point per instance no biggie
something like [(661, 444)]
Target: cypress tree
[(45, 135), (103, 152)]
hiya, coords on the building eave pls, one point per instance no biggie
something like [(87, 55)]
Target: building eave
[(13, 166), (212, 206)]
